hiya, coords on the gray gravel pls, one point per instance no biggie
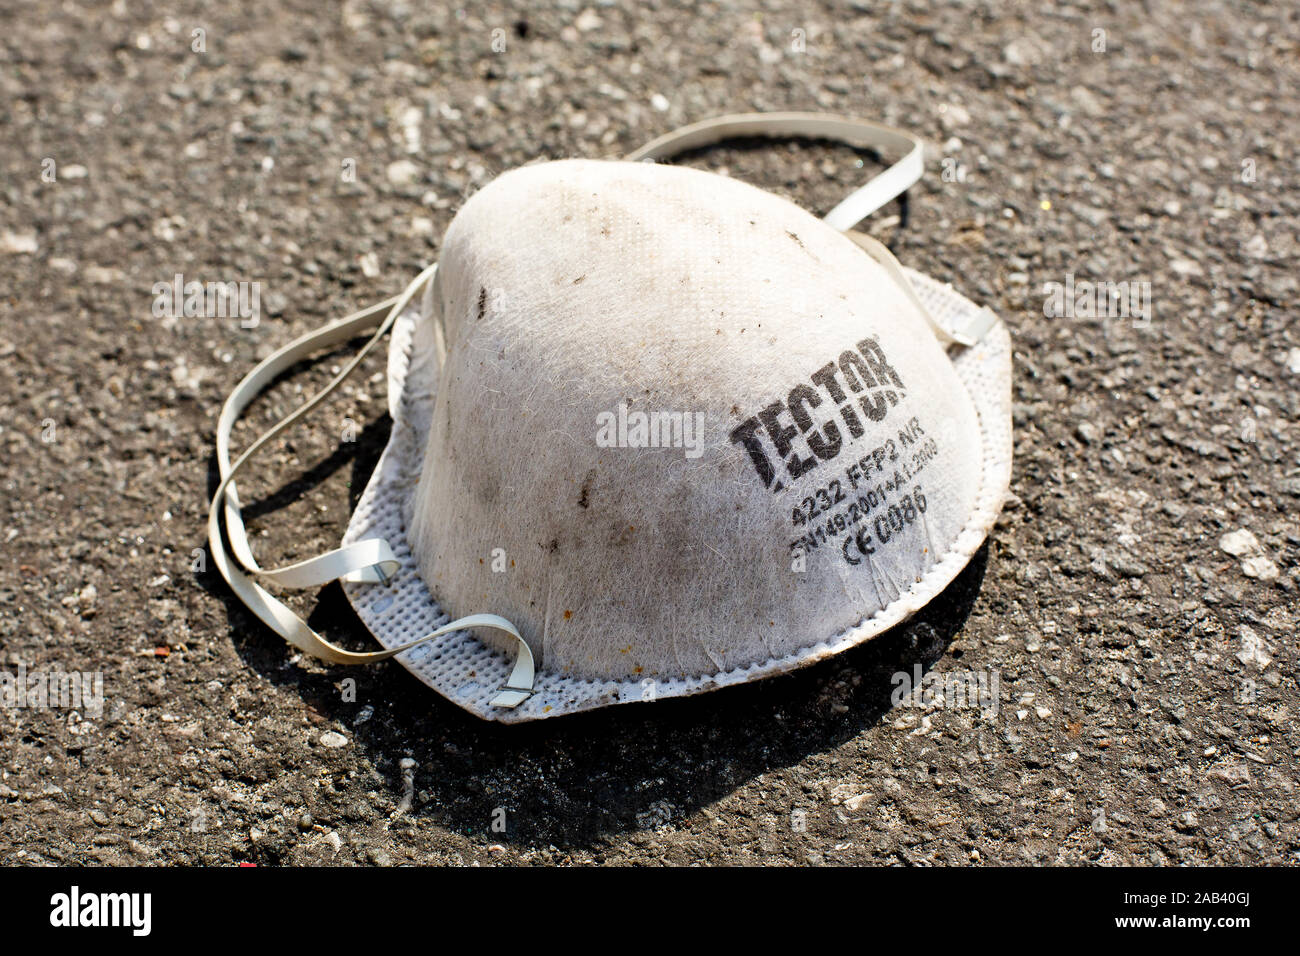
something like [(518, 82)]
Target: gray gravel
[(1145, 647)]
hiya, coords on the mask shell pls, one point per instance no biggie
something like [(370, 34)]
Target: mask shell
[(825, 461)]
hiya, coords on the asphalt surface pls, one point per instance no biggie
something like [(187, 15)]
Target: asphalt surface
[(1145, 647)]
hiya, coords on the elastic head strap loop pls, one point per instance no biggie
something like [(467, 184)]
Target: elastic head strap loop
[(976, 326), (855, 207), (252, 385), (371, 560)]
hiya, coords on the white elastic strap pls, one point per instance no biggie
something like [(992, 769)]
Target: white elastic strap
[(855, 207), (366, 561), (371, 560), (976, 327), (859, 204)]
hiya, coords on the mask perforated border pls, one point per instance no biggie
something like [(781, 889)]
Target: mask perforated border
[(469, 673)]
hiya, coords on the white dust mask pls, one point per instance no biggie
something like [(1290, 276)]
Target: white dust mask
[(673, 432)]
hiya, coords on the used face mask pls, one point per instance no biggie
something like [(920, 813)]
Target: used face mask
[(674, 432)]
